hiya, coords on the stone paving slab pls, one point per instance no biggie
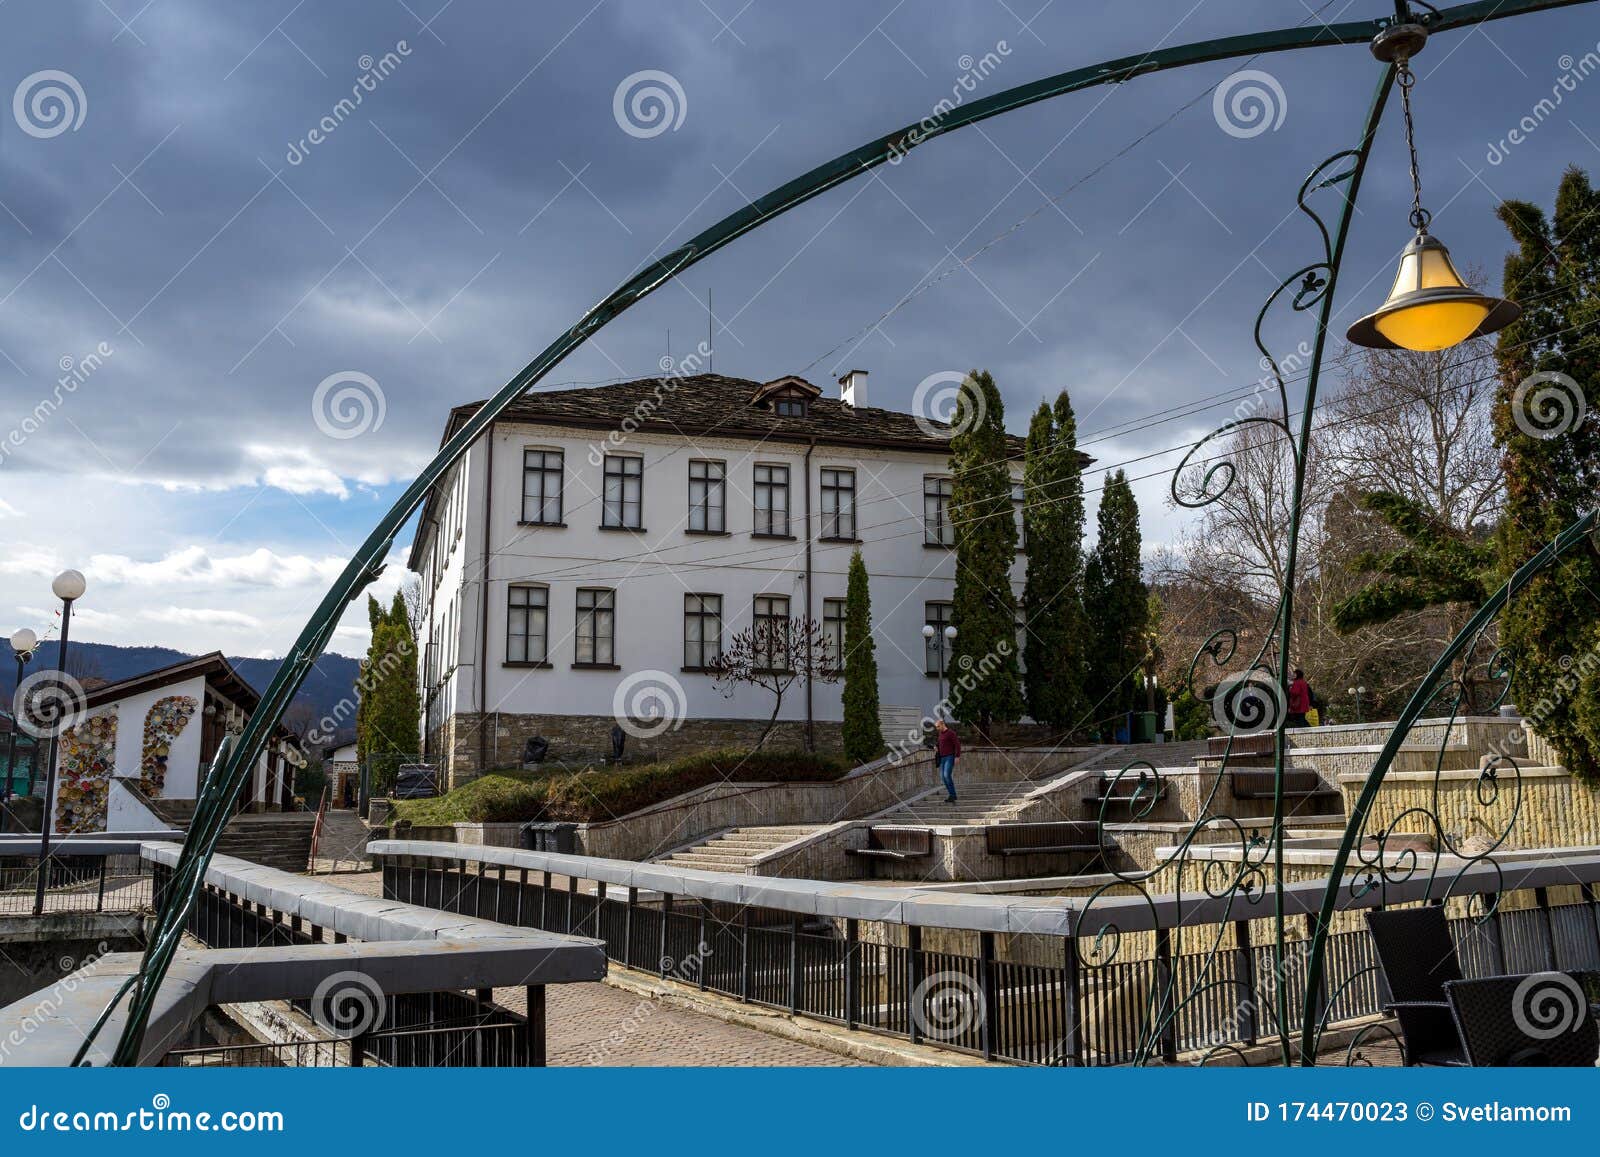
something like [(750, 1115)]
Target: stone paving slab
[(595, 1024)]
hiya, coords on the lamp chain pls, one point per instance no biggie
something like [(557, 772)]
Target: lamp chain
[(1406, 79)]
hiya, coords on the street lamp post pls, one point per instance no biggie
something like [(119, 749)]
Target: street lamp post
[(68, 586), (941, 643), (1356, 693), (23, 643)]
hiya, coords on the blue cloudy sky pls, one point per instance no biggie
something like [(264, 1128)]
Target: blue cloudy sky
[(484, 193)]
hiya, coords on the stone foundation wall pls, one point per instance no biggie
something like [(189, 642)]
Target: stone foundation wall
[(582, 738)]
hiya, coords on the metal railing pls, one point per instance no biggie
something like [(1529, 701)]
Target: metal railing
[(75, 883), (416, 1029), (1022, 998)]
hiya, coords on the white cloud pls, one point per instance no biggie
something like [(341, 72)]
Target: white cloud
[(8, 511), (194, 564), (201, 616)]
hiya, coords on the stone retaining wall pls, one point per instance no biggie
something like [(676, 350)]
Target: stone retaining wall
[(1557, 809)]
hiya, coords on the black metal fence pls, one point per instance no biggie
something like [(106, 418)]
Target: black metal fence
[(881, 978), (75, 883), (417, 1029)]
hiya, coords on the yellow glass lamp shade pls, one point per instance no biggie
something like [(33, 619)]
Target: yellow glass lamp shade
[(1430, 307)]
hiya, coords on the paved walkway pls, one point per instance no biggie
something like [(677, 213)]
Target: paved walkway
[(342, 844), (597, 1024)]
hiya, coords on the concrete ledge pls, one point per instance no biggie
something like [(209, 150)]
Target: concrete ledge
[(1042, 915), (1464, 775)]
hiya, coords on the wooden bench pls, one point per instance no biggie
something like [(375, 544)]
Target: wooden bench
[(1144, 790), (1056, 837), (896, 843), (1255, 744), (1298, 783)]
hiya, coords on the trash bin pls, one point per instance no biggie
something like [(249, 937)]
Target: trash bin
[(1144, 727), (540, 836)]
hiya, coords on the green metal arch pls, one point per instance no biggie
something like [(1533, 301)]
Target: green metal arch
[(228, 772)]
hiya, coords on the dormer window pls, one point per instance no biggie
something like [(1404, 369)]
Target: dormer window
[(788, 397)]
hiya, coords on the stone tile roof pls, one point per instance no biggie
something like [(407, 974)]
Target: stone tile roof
[(712, 404)]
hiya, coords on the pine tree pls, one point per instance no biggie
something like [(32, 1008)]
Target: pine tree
[(1116, 602), (985, 684), (1052, 599), (863, 732), (1553, 474)]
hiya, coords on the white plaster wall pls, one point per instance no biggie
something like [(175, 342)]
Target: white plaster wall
[(651, 571)]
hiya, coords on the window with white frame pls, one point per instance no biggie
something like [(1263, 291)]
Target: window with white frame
[(771, 632), (833, 611)]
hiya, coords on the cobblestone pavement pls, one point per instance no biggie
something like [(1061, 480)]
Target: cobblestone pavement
[(596, 1024)]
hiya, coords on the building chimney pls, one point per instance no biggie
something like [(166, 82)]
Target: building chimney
[(853, 388)]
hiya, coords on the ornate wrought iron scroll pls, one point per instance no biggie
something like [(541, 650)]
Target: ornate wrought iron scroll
[(1251, 701)]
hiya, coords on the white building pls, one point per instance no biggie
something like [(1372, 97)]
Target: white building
[(135, 756), (598, 543)]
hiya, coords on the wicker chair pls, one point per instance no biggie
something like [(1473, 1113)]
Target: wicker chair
[(1507, 1021), (1417, 958)]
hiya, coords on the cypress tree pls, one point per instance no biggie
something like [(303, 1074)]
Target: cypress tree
[(863, 732), (985, 684), (389, 709), (1552, 464), (1117, 603), (1052, 599)]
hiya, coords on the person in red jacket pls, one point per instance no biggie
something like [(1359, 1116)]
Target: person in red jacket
[(1299, 700), (948, 749)]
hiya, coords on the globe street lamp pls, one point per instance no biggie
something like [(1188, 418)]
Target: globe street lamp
[(941, 642), (68, 586), (23, 642), (1356, 693)]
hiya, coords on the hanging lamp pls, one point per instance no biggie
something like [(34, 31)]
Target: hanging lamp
[(1429, 307)]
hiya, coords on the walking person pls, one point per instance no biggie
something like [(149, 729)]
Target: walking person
[(1299, 700), (948, 750)]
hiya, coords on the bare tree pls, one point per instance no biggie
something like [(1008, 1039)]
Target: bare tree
[(416, 605), (774, 655)]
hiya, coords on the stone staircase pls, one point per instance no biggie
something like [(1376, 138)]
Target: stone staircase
[(737, 849), (977, 803), (277, 839)]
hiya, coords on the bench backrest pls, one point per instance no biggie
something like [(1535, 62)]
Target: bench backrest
[(1053, 834), (1260, 781), (1260, 743), (907, 841)]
